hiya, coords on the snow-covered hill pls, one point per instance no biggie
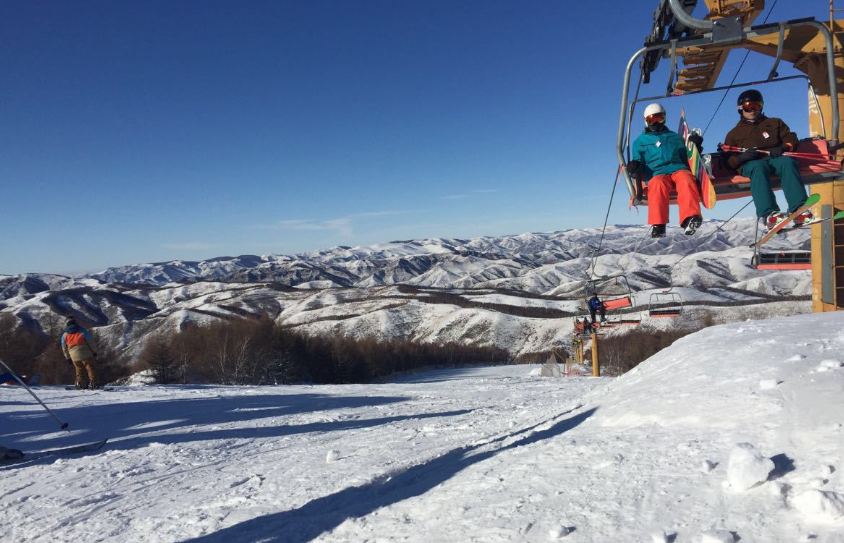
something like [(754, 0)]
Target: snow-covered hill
[(516, 292), (735, 433)]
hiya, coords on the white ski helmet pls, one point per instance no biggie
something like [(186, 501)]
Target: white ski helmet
[(653, 109)]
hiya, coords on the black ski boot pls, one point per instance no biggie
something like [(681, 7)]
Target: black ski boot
[(691, 224), (658, 231)]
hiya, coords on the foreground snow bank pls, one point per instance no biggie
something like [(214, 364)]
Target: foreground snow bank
[(477, 454)]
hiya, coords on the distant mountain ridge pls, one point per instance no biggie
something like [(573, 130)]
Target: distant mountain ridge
[(440, 262), (516, 292)]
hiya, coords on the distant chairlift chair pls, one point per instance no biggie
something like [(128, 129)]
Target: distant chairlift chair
[(665, 304), (783, 260)]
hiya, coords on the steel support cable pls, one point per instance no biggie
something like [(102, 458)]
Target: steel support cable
[(612, 195), (604, 229), (746, 54), (704, 238), (623, 269)]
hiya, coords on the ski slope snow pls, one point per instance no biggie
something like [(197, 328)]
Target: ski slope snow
[(735, 433)]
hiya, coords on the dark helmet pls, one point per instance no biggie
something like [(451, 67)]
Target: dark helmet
[(70, 322), (750, 95)]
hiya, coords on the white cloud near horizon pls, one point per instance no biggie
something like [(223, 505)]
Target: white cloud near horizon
[(342, 225)]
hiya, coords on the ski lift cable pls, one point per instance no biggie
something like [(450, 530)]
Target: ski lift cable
[(597, 249), (612, 196), (704, 238), (746, 54), (623, 269)]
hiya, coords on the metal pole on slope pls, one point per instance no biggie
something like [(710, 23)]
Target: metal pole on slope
[(596, 366), (62, 423)]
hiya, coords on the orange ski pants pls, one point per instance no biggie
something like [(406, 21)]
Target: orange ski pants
[(659, 193)]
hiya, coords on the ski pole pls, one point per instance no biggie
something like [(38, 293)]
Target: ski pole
[(18, 379), (815, 156)]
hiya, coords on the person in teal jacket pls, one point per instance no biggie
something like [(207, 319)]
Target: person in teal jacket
[(659, 155)]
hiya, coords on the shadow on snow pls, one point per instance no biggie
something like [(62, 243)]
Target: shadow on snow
[(136, 424), (323, 514)]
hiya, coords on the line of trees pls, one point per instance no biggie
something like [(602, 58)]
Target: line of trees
[(236, 352), (261, 352)]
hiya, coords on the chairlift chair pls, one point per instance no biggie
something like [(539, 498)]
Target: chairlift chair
[(815, 166), (620, 321), (597, 284), (783, 260), (665, 304)]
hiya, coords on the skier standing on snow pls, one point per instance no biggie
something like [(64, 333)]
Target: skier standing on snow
[(660, 156), (79, 350), (756, 131), (597, 306)]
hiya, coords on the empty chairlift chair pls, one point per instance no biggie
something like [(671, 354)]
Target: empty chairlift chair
[(665, 304), (783, 260)]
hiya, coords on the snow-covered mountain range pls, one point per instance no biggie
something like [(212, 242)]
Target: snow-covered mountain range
[(519, 292)]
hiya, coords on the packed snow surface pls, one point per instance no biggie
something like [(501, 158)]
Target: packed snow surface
[(487, 454)]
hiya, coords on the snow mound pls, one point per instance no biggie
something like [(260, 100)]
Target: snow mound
[(659, 537), (717, 536), (827, 365), (768, 384), (747, 467), (559, 531), (820, 505), (142, 378)]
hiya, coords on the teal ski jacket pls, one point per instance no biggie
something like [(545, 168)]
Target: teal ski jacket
[(660, 153)]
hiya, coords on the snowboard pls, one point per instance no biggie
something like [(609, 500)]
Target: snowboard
[(812, 200), (707, 189), (75, 449)]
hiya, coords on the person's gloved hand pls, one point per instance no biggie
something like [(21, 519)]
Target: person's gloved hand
[(697, 139), (749, 155), (776, 152), (633, 167)]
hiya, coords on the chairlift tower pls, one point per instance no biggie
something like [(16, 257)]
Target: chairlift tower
[(813, 47)]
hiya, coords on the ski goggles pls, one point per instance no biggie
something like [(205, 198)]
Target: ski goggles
[(751, 106), (655, 118)]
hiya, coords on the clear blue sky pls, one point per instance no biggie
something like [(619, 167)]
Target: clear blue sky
[(135, 132)]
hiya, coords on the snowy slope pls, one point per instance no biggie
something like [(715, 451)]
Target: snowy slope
[(487, 454)]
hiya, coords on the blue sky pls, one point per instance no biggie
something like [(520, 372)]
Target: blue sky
[(146, 131)]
